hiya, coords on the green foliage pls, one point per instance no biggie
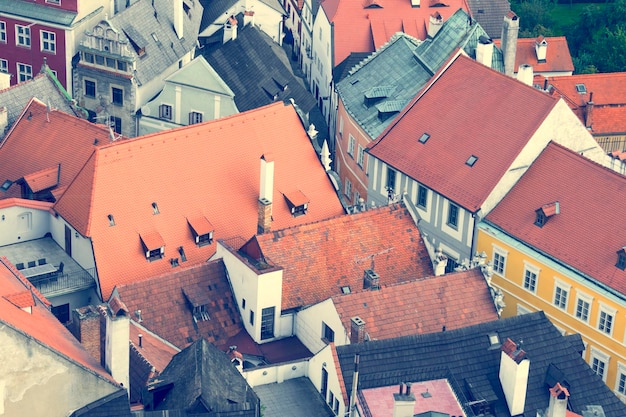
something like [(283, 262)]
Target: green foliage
[(534, 17)]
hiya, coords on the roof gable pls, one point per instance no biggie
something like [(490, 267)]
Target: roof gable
[(558, 57), (465, 128), (199, 74), (320, 258), (590, 246)]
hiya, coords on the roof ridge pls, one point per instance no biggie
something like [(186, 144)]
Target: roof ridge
[(576, 156), (394, 38)]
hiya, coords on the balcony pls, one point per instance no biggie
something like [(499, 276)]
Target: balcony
[(60, 283)]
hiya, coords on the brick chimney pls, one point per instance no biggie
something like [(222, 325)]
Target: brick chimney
[(357, 330), (510, 31), (117, 346), (558, 401), (404, 402), (178, 18), (525, 74), (434, 24), (589, 112), (266, 192), (230, 30), (514, 368), (86, 328), (484, 51), (371, 280)]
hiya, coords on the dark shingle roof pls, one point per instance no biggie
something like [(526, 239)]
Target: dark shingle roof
[(113, 405), (202, 374), (253, 61), (214, 10), (490, 14), (463, 355)]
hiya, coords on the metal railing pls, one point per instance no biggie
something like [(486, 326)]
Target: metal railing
[(64, 282)]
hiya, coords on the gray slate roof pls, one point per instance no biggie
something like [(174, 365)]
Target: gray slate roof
[(255, 68), (463, 357), (113, 405), (214, 10), (43, 86), (490, 15), (404, 65), (202, 374), (141, 20), (39, 12)]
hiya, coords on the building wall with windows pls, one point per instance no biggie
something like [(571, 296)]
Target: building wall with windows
[(322, 62), (532, 282), (319, 325)]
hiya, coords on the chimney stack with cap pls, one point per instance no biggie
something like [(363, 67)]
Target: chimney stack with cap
[(558, 401), (510, 31), (404, 402), (357, 330), (514, 369)]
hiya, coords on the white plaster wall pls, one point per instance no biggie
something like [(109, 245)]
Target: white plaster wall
[(309, 325), (322, 65), (117, 356), (82, 250), (324, 359), (285, 326), (39, 382), (20, 224), (270, 374)]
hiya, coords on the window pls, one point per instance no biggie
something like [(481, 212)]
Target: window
[(328, 335), (336, 406), (453, 215), (606, 319), (331, 398), (90, 88), (422, 196), (583, 304), (116, 124), (99, 59), (530, 277), (251, 318), (87, 57), (360, 156), (4, 65), (561, 291), (48, 41), (110, 62), (341, 126), (243, 304), (351, 145), (621, 259), (54, 1), (24, 72), (620, 382), (391, 179), (267, 323), (22, 35), (3, 32), (117, 96), (62, 312), (499, 261), (599, 362), (165, 111), (348, 188), (195, 117), (122, 66)]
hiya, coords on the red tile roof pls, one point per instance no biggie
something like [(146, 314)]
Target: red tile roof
[(589, 229), (35, 147), (210, 170), (165, 311), (609, 98), (558, 57), (486, 114), (320, 258), (39, 324), (453, 300), (358, 28)]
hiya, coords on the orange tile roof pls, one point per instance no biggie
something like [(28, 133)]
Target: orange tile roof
[(609, 98), (487, 115), (21, 299), (154, 350), (46, 178), (358, 28), (589, 229), (210, 170), (35, 144), (558, 57), (422, 306), (40, 324), (320, 258), (164, 308)]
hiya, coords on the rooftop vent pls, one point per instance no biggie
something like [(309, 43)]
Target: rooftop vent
[(621, 258), (546, 211)]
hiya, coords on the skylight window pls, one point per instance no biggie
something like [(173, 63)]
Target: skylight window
[(471, 160), (424, 138), (581, 89), (6, 185), (155, 208), (346, 289), (494, 340)]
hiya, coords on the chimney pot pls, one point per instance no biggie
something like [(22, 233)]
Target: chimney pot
[(401, 388), (140, 340), (408, 388)]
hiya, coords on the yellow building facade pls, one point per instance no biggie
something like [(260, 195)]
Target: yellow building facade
[(575, 303)]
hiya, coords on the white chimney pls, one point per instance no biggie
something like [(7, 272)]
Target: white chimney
[(525, 74), (415, 3), (117, 354), (514, 368), (266, 191), (484, 51), (178, 18), (404, 402), (510, 30), (541, 48), (230, 30), (5, 80), (435, 23), (248, 17), (440, 262), (558, 401)]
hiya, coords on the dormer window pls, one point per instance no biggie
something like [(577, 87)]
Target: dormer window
[(198, 299), (201, 230), (621, 258), (297, 202), (375, 94), (389, 108), (494, 340), (545, 212), (153, 245)]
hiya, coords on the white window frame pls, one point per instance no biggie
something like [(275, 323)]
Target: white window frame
[(57, 2), (419, 188), (621, 373), (48, 45), (454, 225), (351, 141), (600, 357), (563, 286), (503, 254), (3, 31), (348, 188), (581, 296), (521, 310), (22, 36), (360, 157), (195, 114), (4, 65), (23, 75), (534, 270), (609, 311)]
